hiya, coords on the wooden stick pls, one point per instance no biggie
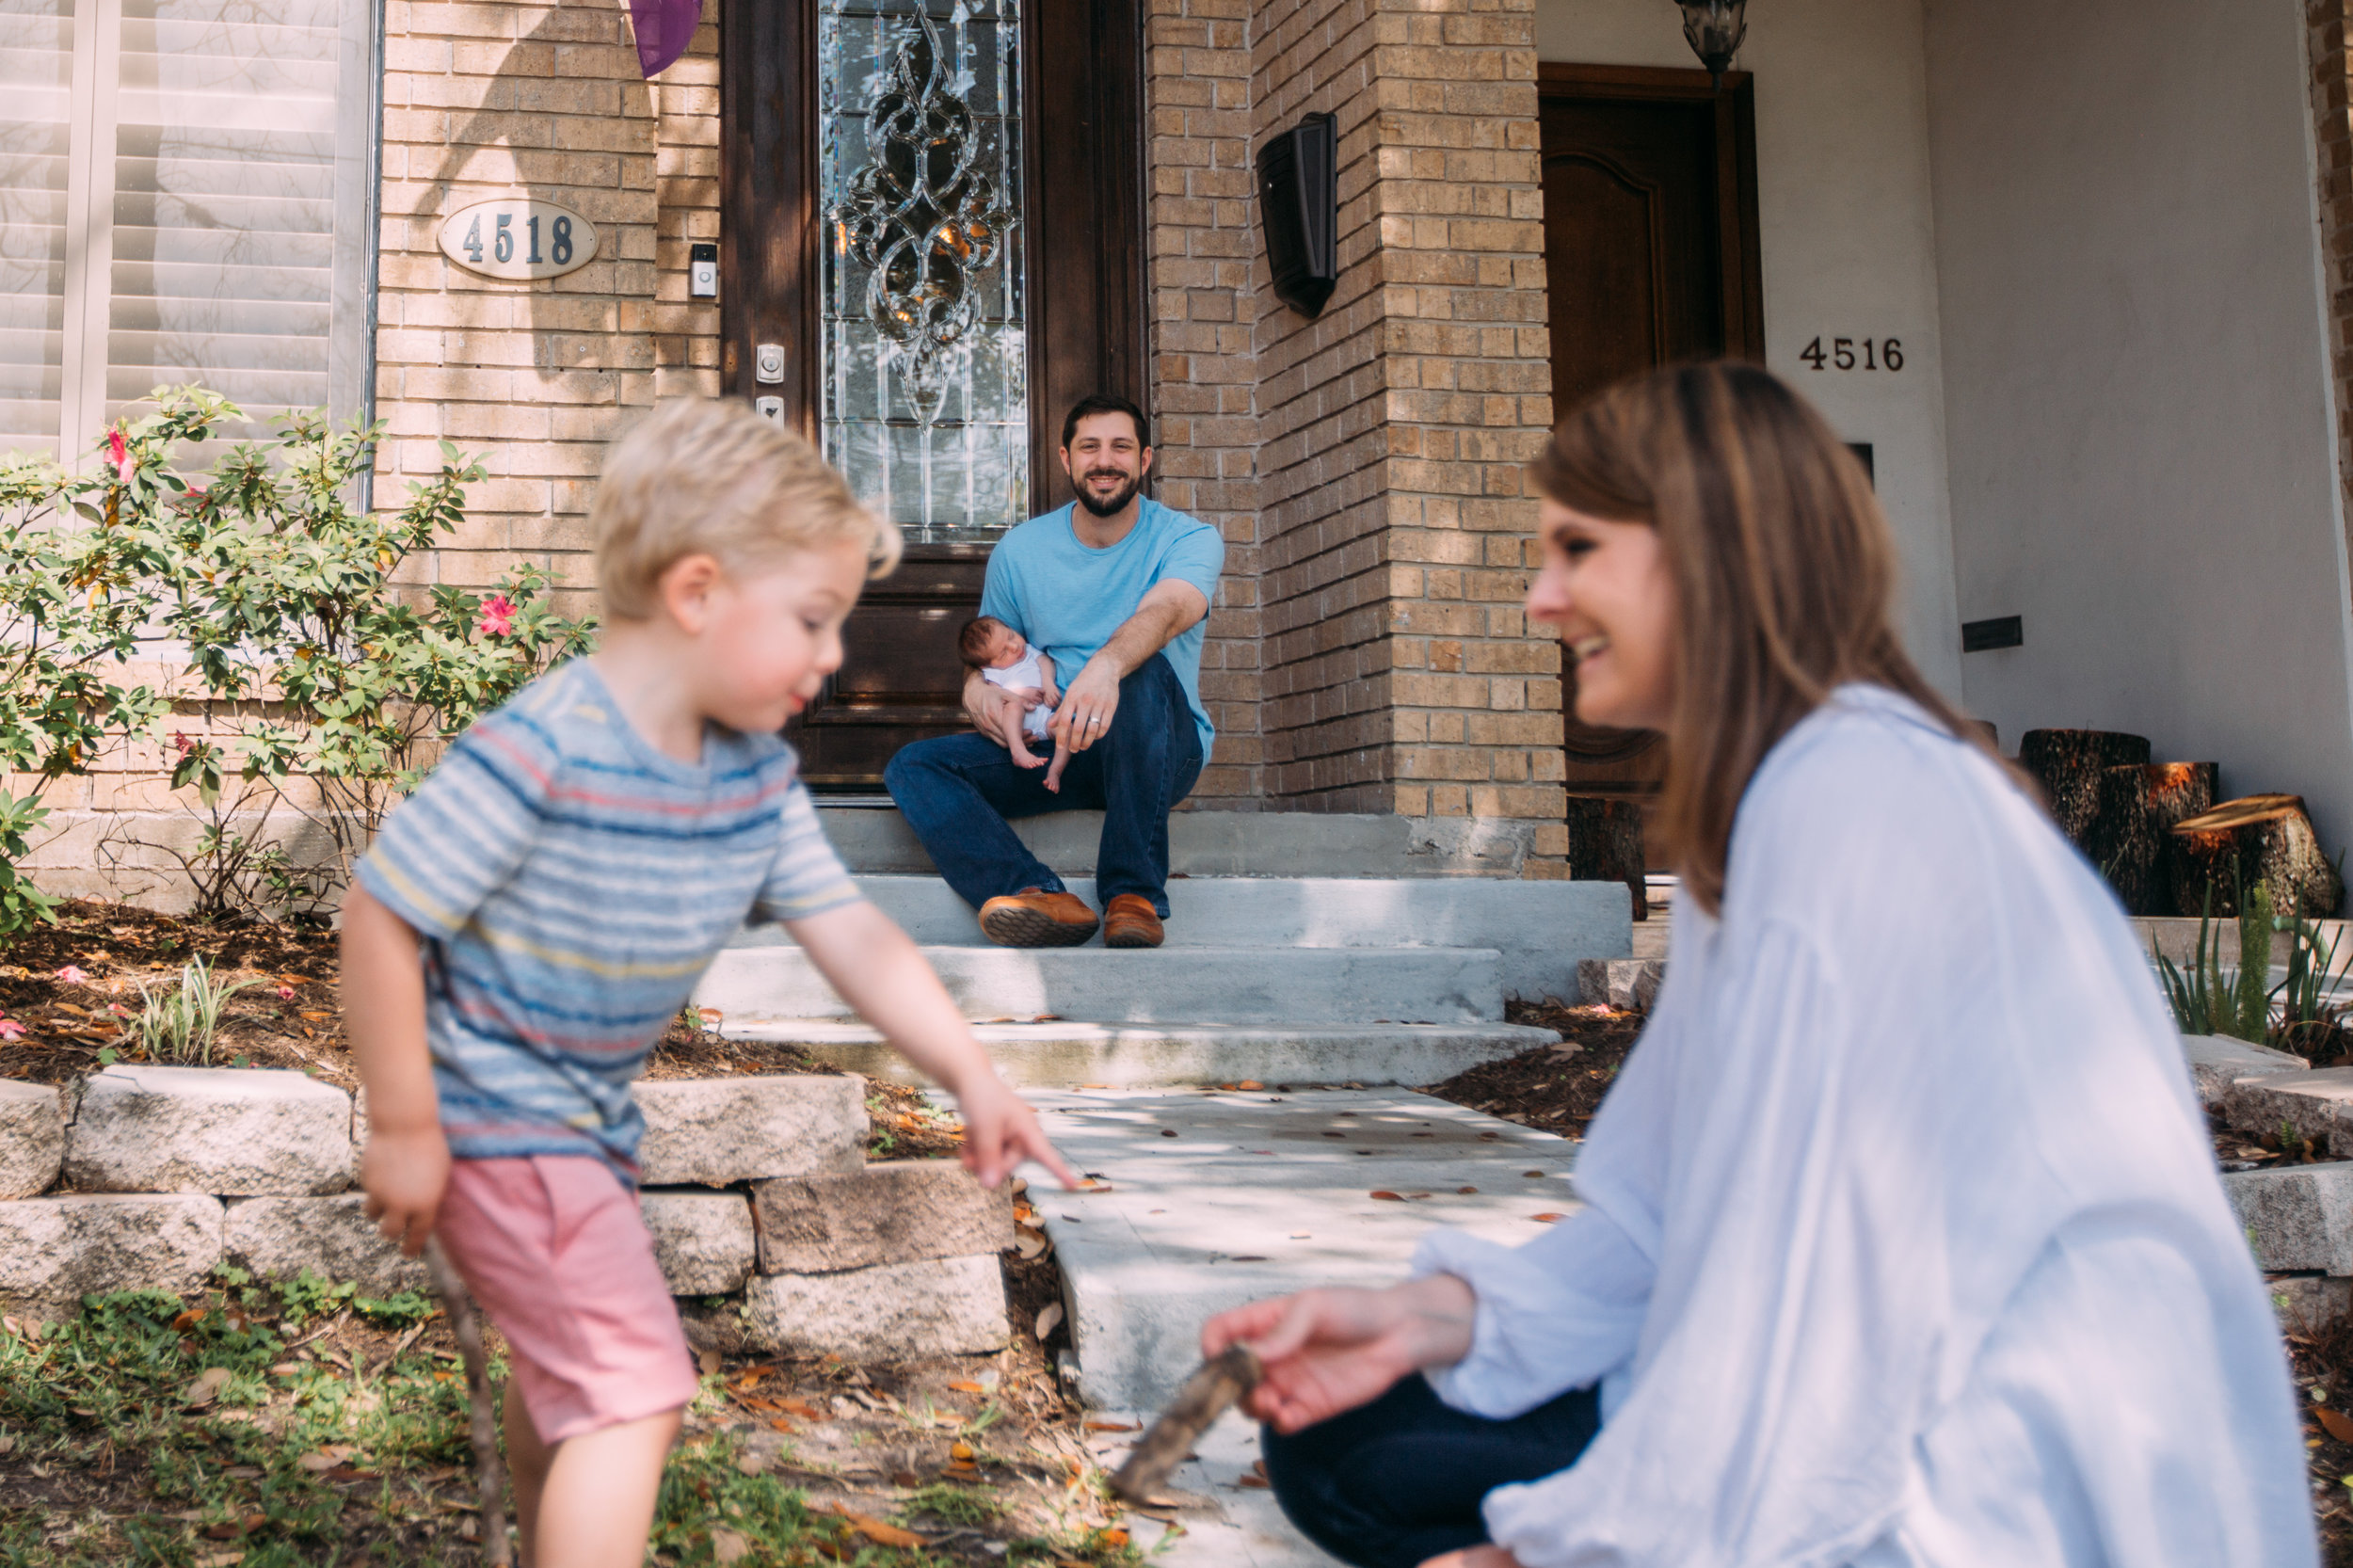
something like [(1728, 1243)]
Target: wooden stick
[(485, 1428), (1206, 1396)]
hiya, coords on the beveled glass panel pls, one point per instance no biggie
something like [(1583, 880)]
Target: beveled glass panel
[(923, 397)]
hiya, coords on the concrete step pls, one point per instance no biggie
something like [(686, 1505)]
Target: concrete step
[(1543, 929), (1068, 1056), (755, 982), (1251, 1198), (873, 836)]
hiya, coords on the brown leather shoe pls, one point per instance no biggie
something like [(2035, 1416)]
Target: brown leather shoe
[(1129, 922), (1031, 918)]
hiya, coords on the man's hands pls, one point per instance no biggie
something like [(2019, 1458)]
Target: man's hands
[(994, 710), (1329, 1350), (1088, 706), (404, 1175)]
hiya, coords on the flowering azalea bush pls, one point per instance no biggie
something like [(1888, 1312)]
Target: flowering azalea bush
[(307, 682)]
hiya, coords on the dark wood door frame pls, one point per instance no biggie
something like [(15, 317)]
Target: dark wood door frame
[(1735, 106), (1084, 166), (1083, 157)]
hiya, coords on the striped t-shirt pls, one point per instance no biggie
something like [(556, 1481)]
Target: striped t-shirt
[(570, 884)]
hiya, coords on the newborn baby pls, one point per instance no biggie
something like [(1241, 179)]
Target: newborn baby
[(1005, 658)]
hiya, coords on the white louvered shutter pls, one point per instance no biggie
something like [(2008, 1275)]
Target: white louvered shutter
[(187, 195), (35, 110), (224, 203)]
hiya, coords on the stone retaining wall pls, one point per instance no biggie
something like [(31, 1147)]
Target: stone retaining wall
[(757, 1191)]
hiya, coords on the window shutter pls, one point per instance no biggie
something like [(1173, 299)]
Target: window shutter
[(36, 105), (187, 194), (224, 203)]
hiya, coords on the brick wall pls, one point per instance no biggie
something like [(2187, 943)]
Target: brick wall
[(1202, 214), (2333, 112), (543, 100), (1381, 457)]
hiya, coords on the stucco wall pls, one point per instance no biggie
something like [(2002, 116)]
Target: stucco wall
[(2138, 408), (1846, 234)]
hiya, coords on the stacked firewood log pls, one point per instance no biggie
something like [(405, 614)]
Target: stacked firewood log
[(2156, 833)]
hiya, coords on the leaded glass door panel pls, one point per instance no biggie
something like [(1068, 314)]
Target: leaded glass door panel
[(934, 209)]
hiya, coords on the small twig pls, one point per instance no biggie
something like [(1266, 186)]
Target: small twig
[(484, 1429), (400, 1347)]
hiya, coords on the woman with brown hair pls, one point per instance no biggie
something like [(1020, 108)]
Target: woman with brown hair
[(1902, 1242)]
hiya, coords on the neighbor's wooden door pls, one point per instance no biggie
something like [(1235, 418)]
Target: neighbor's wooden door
[(1650, 257), (1082, 121)]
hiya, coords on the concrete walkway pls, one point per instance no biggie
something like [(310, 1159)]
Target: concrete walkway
[(1214, 1198)]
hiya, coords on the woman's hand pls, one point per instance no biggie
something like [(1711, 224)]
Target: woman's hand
[(1476, 1557), (1329, 1350)]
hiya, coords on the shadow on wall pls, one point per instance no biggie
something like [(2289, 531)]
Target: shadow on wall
[(564, 118)]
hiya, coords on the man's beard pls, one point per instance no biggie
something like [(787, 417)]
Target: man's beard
[(1119, 498)]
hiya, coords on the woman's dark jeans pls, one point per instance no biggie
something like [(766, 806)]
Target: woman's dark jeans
[(1396, 1482)]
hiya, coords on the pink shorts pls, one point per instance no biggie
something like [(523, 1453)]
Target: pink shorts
[(553, 1249)]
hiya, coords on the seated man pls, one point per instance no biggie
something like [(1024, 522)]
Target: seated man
[(1113, 590)]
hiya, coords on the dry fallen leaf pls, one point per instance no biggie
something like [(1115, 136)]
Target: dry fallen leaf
[(966, 1386), (320, 1460), (961, 1453), (797, 1407), (709, 1362), (188, 1320), (1547, 1219), (1391, 1197), (880, 1533), (728, 1545), (207, 1387), (2336, 1424), (1466, 1190), (1110, 1539), (1112, 1426), (752, 1461), (1049, 1319), (1030, 1242)]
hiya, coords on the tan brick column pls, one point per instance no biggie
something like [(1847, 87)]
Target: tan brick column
[(543, 100), (1399, 675)]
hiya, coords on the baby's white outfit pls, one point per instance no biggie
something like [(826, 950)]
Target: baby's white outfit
[(1015, 677)]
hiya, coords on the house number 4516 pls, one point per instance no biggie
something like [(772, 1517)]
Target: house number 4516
[(1855, 354)]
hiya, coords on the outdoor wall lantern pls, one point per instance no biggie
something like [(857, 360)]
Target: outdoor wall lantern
[(1714, 29)]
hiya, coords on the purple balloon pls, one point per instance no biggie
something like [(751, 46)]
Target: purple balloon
[(664, 28)]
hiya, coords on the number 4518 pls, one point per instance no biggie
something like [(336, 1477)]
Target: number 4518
[(1877, 354)]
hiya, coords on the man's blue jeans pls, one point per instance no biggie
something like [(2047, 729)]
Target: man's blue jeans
[(959, 791), (1397, 1481)]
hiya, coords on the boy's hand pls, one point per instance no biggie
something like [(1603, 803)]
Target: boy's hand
[(404, 1175), (1000, 1132)]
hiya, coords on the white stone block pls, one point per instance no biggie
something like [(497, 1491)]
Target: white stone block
[(232, 1132), (55, 1250), (2217, 1062), (716, 1131), (32, 1138), (891, 1312), (333, 1237), (703, 1240), (2311, 1105), (1628, 984), (2297, 1217)]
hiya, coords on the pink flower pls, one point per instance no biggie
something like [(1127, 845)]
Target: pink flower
[(180, 743), (118, 1010), (72, 974), (11, 1029), (118, 453), (285, 993), (498, 617)]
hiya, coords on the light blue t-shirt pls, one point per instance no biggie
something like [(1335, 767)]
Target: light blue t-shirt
[(1067, 598)]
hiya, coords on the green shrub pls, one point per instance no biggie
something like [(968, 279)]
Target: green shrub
[(313, 683)]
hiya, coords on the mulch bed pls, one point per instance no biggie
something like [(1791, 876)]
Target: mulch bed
[(1552, 1088), (72, 988), (2323, 1365)]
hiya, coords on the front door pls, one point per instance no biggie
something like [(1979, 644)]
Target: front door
[(932, 246), (1650, 257)]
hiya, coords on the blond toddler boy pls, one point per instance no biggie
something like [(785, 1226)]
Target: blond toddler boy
[(533, 915)]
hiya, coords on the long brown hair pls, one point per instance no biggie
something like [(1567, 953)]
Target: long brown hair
[(1783, 571)]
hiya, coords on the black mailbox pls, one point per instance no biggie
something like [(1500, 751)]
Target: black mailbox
[(1299, 203)]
